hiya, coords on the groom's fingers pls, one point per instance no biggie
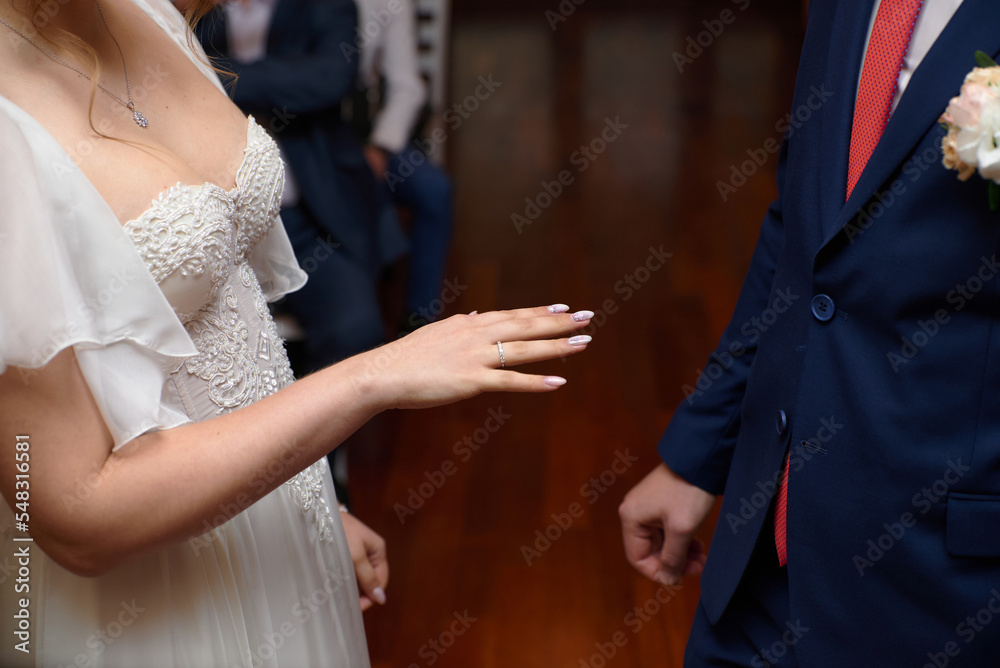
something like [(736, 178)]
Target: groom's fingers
[(641, 547), (697, 556), (673, 554)]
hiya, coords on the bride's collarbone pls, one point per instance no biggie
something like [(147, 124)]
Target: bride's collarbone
[(130, 166), (191, 139), (195, 133)]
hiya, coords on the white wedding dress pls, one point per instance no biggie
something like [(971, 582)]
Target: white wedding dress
[(168, 319)]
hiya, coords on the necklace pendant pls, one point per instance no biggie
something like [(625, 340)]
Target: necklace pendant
[(139, 119)]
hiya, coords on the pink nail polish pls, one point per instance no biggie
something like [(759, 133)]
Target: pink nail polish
[(580, 316), (580, 340), (558, 308), (379, 595), (474, 313), (554, 381)]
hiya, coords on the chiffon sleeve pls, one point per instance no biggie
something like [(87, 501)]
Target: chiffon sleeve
[(71, 278), (274, 264)]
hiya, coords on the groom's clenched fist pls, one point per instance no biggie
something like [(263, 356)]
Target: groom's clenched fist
[(659, 518)]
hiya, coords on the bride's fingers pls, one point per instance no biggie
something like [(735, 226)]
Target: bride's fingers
[(550, 327), (524, 352), (513, 381), (490, 317)]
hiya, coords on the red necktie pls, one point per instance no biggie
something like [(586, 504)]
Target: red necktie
[(780, 509), (879, 77)]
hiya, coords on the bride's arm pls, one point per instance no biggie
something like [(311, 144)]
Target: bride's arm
[(92, 509)]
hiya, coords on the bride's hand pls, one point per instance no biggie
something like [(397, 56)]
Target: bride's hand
[(371, 568), (459, 357)]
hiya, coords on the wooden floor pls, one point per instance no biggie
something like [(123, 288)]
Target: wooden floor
[(649, 189)]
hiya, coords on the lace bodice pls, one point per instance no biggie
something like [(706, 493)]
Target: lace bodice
[(197, 241), (192, 235)]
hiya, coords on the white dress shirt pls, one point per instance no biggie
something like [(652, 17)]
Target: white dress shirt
[(247, 23), (387, 31), (933, 17)]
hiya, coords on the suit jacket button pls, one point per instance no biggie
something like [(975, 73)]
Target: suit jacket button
[(780, 422), (823, 307)]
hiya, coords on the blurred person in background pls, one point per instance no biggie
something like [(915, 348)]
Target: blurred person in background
[(292, 75), (388, 114)]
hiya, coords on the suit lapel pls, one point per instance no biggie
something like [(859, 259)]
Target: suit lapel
[(934, 83), (849, 31)]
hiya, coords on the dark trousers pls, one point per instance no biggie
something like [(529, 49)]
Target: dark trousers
[(755, 630), (338, 308), (425, 190)]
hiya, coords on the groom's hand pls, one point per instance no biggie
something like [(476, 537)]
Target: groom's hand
[(659, 518)]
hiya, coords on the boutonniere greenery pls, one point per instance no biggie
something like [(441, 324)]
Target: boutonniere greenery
[(973, 124)]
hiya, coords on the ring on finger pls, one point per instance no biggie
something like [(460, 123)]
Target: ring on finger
[(503, 360)]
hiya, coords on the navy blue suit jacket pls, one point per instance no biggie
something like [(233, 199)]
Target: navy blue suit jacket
[(296, 89), (866, 339)]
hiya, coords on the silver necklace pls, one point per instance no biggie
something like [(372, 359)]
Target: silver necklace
[(137, 116)]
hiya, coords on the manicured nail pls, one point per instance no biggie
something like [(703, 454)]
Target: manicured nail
[(379, 595), (474, 313), (580, 340), (554, 381), (558, 308), (580, 316)]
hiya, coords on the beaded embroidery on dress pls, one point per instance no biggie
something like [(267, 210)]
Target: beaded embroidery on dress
[(196, 242)]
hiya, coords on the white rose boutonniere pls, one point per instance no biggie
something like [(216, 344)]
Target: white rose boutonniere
[(973, 124)]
